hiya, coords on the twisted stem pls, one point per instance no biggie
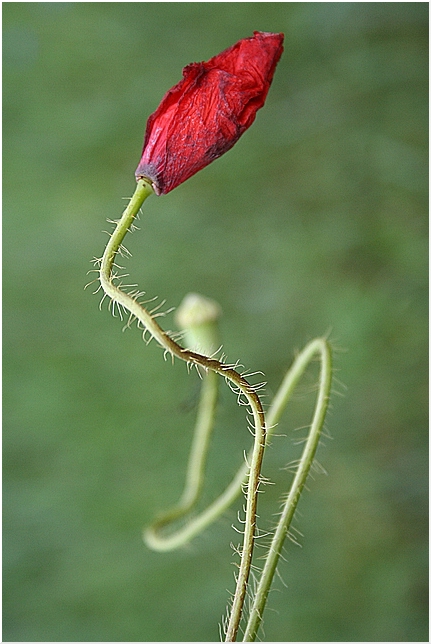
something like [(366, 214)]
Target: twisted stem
[(249, 474), (136, 310)]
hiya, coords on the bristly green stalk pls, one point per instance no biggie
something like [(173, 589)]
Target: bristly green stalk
[(318, 346), (129, 303), (153, 535), (204, 341)]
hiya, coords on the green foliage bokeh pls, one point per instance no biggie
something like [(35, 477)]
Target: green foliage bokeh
[(315, 222)]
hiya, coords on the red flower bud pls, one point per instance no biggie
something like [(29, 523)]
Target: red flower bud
[(204, 115)]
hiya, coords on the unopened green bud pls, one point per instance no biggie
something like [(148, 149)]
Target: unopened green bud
[(197, 316)]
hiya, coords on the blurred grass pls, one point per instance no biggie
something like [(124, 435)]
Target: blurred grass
[(316, 221)]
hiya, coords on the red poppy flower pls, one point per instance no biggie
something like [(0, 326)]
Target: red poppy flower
[(204, 115)]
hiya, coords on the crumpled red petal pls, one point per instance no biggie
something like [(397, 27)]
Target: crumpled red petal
[(204, 115)]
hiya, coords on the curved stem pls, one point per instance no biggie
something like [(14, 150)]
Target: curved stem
[(143, 190), (196, 524), (199, 449), (195, 469), (321, 347)]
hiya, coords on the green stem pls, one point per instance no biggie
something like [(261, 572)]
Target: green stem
[(204, 424), (201, 521), (195, 469), (321, 347), (197, 317), (143, 190)]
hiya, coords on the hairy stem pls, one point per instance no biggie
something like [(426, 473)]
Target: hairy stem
[(321, 347), (199, 522), (129, 303)]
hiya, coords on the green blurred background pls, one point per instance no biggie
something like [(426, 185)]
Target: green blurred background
[(315, 222)]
